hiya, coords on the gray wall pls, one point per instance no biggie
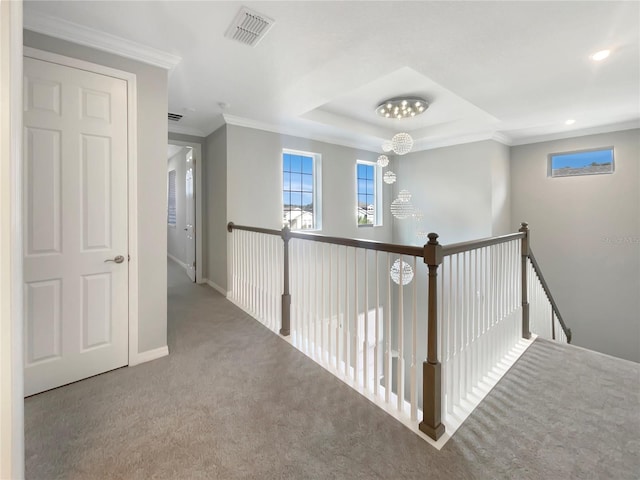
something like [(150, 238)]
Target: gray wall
[(501, 191), (215, 185), (152, 181), (463, 192), (586, 236), (176, 239), (255, 183)]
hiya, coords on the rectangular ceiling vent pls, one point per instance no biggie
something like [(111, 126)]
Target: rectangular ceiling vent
[(249, 27), (175, 117)]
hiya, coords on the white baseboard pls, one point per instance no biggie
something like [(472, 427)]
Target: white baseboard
[(216, 287), (177, 260), (149, 355)]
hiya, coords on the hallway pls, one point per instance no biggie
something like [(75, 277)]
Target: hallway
[(232, 401)]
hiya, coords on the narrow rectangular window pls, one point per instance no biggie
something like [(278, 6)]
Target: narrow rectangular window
[(584, 162), (368, 194), (300, 199), (171, 203)]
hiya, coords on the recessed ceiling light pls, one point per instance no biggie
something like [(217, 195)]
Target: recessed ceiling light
[(601, 55), (571, 121)]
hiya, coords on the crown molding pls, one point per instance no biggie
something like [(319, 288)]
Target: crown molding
[(268, 127), (614, 127), (502, 138), (89, 37), (173, 128)]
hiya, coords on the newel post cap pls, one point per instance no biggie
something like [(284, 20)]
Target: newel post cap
[(432, 252), (285, 232)]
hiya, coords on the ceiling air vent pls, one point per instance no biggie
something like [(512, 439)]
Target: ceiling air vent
[(249, 27), (175, 117)]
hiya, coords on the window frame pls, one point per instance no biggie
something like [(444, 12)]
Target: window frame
[(175, 209), (377, 193), (316, 186), (551, 156)]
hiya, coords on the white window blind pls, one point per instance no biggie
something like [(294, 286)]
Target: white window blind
[(171, 210)]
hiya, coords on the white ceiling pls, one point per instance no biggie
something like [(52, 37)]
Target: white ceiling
[(512, 71)]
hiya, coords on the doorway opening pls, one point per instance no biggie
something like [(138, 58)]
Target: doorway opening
[(184, 208)]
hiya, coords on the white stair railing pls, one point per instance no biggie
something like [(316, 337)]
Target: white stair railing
[(546, 321), (350, 317), (467, 308), (481, 317)]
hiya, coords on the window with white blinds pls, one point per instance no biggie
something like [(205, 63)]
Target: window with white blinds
[(171, 209)]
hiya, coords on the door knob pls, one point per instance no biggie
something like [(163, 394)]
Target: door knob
[(118, 259)]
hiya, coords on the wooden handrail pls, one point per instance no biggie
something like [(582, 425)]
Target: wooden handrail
[(454, 248), (232, 226), (348, 242), (547, 291)]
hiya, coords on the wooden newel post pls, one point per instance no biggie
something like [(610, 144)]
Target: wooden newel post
[(285, 328), (431, 369), (526, 329)]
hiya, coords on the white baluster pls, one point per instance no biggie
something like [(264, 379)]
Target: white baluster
[(330, 304), (376, 351), (387, 337), (400, 367), (414, 345), (345, 322), (365, 341), (356, 320)]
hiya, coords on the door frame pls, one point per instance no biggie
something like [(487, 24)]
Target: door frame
[(11, 317), (132, 176), (197, 153)]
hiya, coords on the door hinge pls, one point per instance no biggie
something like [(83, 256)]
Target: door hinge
[(128, 258), (194, 264)]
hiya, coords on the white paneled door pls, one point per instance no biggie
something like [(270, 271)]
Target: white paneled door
[(190, 240), (75, 224)]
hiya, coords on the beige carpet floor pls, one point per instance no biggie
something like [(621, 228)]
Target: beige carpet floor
[(233, 401)]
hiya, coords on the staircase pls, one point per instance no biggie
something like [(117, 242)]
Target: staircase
[(423, 332)]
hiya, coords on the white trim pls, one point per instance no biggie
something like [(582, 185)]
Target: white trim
[(423, 145), (176, 260), (132, 151), (17, 241), (83, 35), (199, 227), (185, 130), (218, 288), (420, 145), (150, 355), (11, 302), (268, 127), (615, 127)]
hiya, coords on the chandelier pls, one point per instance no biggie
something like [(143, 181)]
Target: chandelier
[(402, 107)]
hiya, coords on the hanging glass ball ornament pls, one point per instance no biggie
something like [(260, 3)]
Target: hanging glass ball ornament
[(387, 147), (389, 177), (383, 160), (401, 270), (401, 209), (404, 195), (402, 143)]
